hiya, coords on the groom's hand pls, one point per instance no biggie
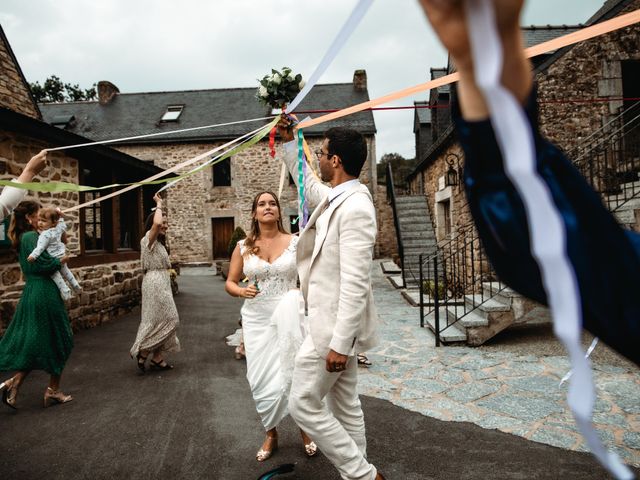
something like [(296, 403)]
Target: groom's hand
[(285, 129), (336, 362)]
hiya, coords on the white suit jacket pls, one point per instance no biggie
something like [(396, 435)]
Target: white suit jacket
[(334, 258)]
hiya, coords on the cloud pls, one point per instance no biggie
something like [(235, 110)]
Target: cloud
[(155, 45)]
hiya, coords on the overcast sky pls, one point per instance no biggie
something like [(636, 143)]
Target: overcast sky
[(163, 45)]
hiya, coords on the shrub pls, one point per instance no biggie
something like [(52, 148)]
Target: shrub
[(429, 288), (237, 235)]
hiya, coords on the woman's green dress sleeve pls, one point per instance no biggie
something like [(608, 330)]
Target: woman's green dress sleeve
[(44, 265)]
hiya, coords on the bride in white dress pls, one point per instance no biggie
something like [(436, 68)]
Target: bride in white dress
[(271, 317)]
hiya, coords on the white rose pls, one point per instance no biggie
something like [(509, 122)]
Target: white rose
[(276, 79), (262, 91), (302, 84)]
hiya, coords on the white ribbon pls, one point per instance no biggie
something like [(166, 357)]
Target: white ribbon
[(158, 134), (587, 355), (547, 230), (245, 138), (345, 32)]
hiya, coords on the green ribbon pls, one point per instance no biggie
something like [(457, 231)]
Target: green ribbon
[(55, 187), (301, 177)]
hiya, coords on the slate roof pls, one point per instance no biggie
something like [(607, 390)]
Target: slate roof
[(609, 9), (131, 114), (535, 34), (423, 114), (439, 73)]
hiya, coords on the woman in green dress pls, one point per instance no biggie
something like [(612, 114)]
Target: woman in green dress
[(39, 336)]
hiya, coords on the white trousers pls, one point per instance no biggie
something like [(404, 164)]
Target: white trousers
[(326, 406)]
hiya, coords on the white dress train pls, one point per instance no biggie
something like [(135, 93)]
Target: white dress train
[(273, 331)]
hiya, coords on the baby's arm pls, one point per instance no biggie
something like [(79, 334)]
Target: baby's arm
[(43, 243)]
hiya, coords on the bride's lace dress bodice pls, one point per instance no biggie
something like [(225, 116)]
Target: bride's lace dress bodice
[(274, 279)]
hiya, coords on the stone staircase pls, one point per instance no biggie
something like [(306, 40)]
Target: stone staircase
[(417, 234), (485, 315), (625, 210)]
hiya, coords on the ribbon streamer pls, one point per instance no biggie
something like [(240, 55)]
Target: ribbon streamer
[(547, 230), (263, 131), (56, 187), (345, 32), (219, 158), (587, 355), (560, 42), (157, 134), (304, 211)]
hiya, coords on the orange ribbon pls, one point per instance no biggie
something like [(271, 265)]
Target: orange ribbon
[(555, 44)]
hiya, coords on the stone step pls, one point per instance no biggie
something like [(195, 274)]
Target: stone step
[(404, 199), (613, 203), (396, 281), (428, 235), (407, 220), (469, 318), (414, 252), (625, 217), (485, 305), (499, 291), (414, 227), (390, 268), (450, 334)]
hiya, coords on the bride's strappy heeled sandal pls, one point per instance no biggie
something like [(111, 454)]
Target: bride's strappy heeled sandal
[(52, 397)]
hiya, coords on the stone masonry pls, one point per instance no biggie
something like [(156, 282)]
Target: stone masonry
[(109, 290), (193, 202), (14, 93)]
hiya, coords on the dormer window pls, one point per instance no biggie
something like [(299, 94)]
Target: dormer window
[(63, 121), (172, 114)]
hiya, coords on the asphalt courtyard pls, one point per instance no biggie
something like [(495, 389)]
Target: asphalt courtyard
[(198, 421)]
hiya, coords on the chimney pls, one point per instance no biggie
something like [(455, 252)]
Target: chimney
[(360, 79), (106, 92)]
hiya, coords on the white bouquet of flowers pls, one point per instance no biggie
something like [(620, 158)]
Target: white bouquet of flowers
[(279, 88)]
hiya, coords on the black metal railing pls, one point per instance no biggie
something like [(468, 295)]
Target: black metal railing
[(609, 158), (391, 199), (459, 269), (610, 161)]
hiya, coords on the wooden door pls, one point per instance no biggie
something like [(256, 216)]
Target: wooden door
[(221, 230)]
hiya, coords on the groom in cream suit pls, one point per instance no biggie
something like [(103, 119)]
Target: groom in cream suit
[(334, 257)]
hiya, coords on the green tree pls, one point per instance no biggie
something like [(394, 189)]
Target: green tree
[(54, 90), (400, 166)]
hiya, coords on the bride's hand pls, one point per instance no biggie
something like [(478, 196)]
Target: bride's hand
[(249, 292)]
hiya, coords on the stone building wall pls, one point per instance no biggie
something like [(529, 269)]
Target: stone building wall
[(386, 243), (194, 202), (591, 70), (109, 290), (14, 93), (431, 182)]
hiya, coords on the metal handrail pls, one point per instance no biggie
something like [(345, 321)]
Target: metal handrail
[(459, 267), (391, 198), (612, 159)]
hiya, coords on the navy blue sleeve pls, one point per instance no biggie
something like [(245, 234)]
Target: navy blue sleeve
[(606, 258)]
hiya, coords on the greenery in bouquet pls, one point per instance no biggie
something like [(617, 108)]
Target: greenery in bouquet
[(279, 88)]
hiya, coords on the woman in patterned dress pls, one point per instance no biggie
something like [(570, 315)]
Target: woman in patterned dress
[(270, 314), (159, 322), (39, 336)]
